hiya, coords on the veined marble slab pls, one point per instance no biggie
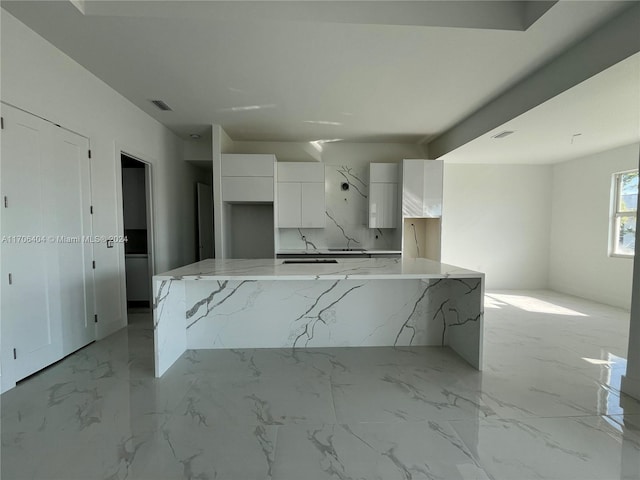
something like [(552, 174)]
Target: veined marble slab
[(327, 251), (356, 302), (346, 268)]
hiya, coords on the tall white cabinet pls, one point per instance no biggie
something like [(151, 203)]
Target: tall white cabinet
[(383, 195), (422, 182), (47, 299), (301, 195), (248, 205)]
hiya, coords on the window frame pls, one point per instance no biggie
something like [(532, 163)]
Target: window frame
[(616, 213)]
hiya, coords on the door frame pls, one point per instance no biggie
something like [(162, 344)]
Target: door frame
[(148, 173)]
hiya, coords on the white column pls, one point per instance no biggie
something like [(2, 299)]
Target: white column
[(631, 381)]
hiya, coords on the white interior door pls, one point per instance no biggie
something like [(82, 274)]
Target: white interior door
[(205, 221), (47, 296), (31, 328), (70, 191)]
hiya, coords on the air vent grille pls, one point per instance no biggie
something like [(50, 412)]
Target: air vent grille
[(506, 133), (161, 105)]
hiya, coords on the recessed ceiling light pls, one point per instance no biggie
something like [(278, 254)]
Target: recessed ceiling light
[(195, 136), (503, 134)]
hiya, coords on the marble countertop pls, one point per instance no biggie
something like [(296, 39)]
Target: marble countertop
[(345, 268), (326, 251)]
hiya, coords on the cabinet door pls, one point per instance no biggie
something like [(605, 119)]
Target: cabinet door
[(413, 188), (313, 208), (432, 200), (289, 205), (247, 189), (243, 165), (303, 172), (383, 205)]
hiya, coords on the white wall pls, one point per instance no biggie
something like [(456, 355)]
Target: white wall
[(579, 261), (361, 154), (41, 79), (496, 220)]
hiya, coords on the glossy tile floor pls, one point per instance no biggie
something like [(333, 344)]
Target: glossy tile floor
[(547, 406)]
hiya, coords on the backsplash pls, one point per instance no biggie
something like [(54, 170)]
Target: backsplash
[(347, 213)]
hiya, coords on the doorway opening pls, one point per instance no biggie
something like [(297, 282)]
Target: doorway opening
[(138, 229)]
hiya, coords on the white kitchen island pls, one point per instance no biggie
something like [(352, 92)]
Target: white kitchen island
[(269, 303)]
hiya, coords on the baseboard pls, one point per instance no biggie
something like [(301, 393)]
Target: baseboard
[(631, 386)]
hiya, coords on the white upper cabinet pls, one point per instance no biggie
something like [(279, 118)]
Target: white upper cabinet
[(422, 188), (245, 165), (289, 204), (383, 195), (247, 189), (310, 172), (313, 208), (247, 178), (301, 198)]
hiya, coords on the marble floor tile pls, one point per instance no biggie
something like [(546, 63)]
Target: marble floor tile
[(547, 406), (187, 448), (373, 451), (257, 363), (576, 448), (260, 401), (553, 395), (407, 397)]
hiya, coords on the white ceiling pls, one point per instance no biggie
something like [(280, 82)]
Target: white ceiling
[(598, 114), (271, 74)]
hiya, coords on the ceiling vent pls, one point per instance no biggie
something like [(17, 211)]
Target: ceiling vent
[(161, 105), (506, 133)]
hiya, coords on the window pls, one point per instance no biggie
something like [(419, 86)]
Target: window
[(625, 213)]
